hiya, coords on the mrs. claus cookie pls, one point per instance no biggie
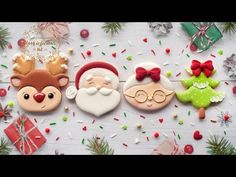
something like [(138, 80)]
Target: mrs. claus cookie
[(147, 89), (96, 88)]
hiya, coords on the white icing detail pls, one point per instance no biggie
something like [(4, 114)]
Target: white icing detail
[(216, 99), (61, 54), (64, 66), (105, 91), (200, 85), (89, 77), (71, 92), (15, 65), (27, 58), (91, 90), (107, 79), (16, 56), (97, 104)]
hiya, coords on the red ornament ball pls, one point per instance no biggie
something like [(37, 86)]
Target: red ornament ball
[(1, 114), (89, 52), (234, 90), (156, 134), (84, 33), (193, 47), (167, 50), (21, 43), (3, 92), (47, 130), (188, 149)]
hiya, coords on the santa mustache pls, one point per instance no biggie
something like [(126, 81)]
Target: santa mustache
[(93, 90)]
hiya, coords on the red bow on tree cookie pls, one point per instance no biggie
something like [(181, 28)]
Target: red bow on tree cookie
[(198, 67), (154, 73)]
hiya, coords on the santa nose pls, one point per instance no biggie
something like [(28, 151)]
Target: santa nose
[(39, 97)]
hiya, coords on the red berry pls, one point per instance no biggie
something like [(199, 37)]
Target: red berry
[(84, 33), (47, 130), (1, 114), (145, 40), (3, 92), (21, 43), (167, 50), (156, 134), (89, 52), (161, 120), (193, 47), (197, 135), (188, 149), (234, 90), (84, 128), (226, 117)]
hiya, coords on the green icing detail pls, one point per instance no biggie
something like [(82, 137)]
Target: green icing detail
[(199, 97)]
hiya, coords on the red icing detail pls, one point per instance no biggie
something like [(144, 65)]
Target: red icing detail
[(95, 64), (39, 97), (1, 114)]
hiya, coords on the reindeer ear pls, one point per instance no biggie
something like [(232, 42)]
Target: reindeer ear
[(16, 80), (63, 80)]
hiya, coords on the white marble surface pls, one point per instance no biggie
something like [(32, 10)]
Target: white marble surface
[(71, 133)]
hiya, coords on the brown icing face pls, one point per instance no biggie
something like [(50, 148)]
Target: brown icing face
[(98, 82), (151, 96), (39, 91)]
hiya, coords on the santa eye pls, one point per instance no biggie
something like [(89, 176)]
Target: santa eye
[(106, 83)]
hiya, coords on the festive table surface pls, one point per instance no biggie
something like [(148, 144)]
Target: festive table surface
[(73, 139)]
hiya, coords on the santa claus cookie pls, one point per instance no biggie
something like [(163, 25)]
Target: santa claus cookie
[(95, 91), (147, 89)]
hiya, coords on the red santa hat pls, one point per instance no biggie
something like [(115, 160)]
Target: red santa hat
[(97, 68)]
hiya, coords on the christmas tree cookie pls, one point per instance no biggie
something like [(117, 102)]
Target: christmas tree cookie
[(200, 87)]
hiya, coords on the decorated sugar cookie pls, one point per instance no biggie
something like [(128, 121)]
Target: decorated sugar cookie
[(200, 87), (96, 88), (147, 89), (39, 89)]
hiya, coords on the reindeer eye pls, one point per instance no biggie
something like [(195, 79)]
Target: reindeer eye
[(50, 95), (26, 96)]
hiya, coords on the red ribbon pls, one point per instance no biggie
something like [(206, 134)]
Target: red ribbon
[(198, 67), (154, 73)]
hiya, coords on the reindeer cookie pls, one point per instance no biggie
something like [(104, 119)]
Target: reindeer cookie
[(39, 89)]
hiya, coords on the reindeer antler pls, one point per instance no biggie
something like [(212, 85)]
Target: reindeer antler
[(23, 64), (57, 64)]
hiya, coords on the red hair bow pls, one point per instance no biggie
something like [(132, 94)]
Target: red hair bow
[(198, 67), (154, 73)]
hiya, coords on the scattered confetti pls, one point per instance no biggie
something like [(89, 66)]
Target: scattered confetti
[(165, 63), (83, 140), (57, 138), (192, 124), (188, 149), (123, 51), (47, 130), (156, 135), (161, 120), (35, 120), (165, 135), (220, 52), (188, 55), (82, 45), (177, 34), (153, 52), (124, 127), (178, 74), (95, 45), (80, 121), (113, 135), (181, 121), (143, 132), (145, 40), (83, 56), (167, 50), (84, 128), (125, 145), (53, 123), (114, 55), (224, 132), (116, 119), (224, 118), (4, 66), (142, 116), (129, 58), (101, 127), (140, 53), (175, 115), (136, 141), (103, 53), (112, 45), (69, 134), (213, 55), (147, 138), (93, 121), (189, 113), (64, 118), (213, 121), (139, 126), (11, 104), (168, 73), (89, 53), (179, 137), (159, 42), (130, 43), (125, 114), (124, 67)]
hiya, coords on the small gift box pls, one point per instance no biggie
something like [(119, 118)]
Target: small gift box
[(25, 135), (168, 147), (203, 34)]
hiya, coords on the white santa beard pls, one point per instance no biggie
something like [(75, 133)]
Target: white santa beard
[(97, 104)]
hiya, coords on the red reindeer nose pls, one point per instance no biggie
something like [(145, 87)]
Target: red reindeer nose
[(39, 97)]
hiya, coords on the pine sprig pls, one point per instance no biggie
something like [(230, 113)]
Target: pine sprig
[(99, 147), (112, 27), (220, 146), (4, 37), (4, 147), (229, 27)]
